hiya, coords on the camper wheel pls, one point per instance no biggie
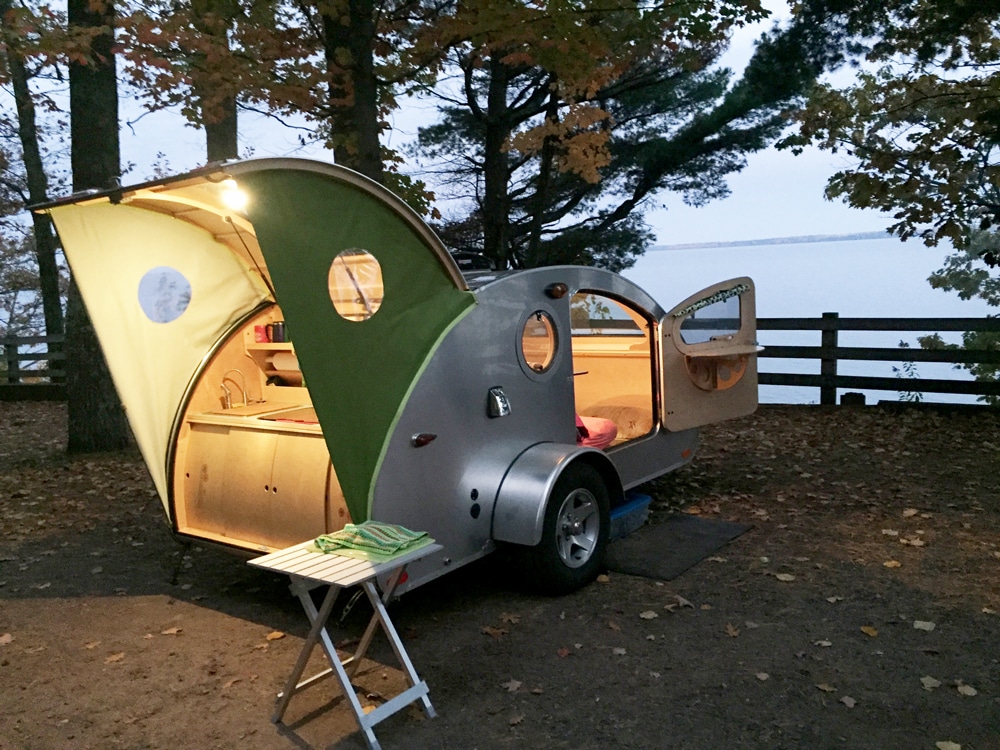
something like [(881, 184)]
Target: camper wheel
[(575, 533)]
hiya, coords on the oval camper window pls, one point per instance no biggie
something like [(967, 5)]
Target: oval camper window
[(164, 294), (538, 341), (355, 284)]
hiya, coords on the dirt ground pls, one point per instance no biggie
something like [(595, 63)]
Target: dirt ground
[(861, 611)]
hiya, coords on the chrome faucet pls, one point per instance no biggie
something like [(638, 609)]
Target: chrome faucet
[(229, 393)]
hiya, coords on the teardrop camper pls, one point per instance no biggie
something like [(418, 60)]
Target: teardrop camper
[(295, 350)]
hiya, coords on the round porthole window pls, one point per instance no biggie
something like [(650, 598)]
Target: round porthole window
[(164, 294), (538, 341), (355, 284)]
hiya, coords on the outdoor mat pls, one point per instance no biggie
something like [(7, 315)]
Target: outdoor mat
[(664, 550)]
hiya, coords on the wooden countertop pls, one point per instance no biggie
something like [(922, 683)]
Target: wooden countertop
[(263, 416)]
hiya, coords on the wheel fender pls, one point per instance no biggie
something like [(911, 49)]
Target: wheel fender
[(519, 511)]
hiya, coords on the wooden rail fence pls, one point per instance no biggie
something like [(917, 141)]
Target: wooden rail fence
[(829, 353), (30, 374)]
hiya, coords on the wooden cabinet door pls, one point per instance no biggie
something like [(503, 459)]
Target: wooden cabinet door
[(254, 488)]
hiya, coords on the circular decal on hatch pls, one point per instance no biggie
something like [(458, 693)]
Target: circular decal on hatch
[(164, 294)]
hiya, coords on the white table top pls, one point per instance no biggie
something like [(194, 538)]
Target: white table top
[(333, 568)]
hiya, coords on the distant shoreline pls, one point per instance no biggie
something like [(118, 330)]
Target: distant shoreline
[(779, 241)]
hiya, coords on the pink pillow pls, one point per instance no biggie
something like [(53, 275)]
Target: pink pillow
[(595, 431)]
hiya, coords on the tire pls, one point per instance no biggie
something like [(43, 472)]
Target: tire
[(574, 535)]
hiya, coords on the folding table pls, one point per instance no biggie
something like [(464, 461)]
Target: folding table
[(309, 569)]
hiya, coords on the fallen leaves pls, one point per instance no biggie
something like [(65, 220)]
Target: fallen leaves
[(869, 630), (274, 635), (966, 690), (947, 745), (731, 630), (784, 577), (511, 685), (929, 683), (682, 603), (893, 564), (177, 631), (494, 633), (115, 658), (826, 688), (848, 701), (923, 625), (648, 615), (762, 676), (6, 639)]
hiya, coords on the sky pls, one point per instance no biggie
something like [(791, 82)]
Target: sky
[(776, 195)]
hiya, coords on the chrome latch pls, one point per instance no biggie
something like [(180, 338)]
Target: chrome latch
[(497, 404)]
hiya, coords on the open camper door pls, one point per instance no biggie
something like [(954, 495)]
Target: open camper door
[(709, 356)]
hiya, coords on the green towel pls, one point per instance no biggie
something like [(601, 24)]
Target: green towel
[(371, 540)]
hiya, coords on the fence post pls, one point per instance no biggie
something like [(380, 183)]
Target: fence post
[(54, 344), (828, 358), (10, 347)]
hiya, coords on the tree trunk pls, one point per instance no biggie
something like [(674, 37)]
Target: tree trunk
[(96, 419), (540, 200), (496, 170), (45, 239), (349, 41), (221, 137), (214, 18)]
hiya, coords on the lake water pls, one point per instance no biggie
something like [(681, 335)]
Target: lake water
[(880, 278)]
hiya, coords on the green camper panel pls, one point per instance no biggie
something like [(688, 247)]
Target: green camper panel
[(321, 235)]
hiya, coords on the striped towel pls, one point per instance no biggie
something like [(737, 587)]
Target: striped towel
[(371, 540)]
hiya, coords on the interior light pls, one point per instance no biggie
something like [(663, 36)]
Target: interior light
[(232, 196)]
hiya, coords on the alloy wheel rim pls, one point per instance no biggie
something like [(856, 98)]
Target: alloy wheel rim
[(578, 526)]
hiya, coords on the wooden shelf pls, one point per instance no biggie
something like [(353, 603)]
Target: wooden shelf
[(722, 351), (265, 347)]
